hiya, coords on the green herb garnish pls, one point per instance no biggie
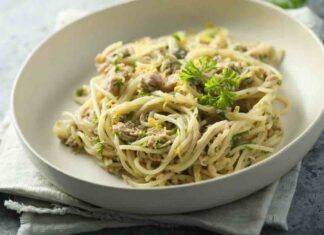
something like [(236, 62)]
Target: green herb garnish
[(99, 145), (221, 101), (219, 90), (118, 83), (142, 134), (222, 114), (279, 82), (94, 121), (195, 70), (117, 68), (142, 93), (228, 82), (96, 140), (158, 144), (237, 138), (79, 92), (145, 88), (176, 37), (289, 4), (99, 148), (116, 58)]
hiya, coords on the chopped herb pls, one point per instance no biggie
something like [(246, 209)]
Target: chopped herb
[(175, 130), (145, 87), (142, 93), (94, 121), (176, 37), (117, 68), (126, 54), (99, 145), (96, 140), (237, 138), (116, 58), (279, 82), (118, 83), (79, 92), (222, 114), (195, 70), (142, 134), (158, 144), (99, 148)]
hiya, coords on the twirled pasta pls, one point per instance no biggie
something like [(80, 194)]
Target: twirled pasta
[(141, 121)]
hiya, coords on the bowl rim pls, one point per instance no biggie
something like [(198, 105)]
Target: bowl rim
[(316, 120)]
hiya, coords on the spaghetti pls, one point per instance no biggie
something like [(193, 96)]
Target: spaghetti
[(178, 109)]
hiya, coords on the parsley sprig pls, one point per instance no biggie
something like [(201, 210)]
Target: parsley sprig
[(218, 91), (228, 81), (221, 101), (196, 70)]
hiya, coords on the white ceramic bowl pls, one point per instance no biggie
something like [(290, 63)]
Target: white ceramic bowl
[(64, 61)]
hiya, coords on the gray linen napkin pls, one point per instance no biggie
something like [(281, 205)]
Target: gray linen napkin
[(47, 210)]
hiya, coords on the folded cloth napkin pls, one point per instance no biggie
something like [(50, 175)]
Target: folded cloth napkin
[(45, 209)]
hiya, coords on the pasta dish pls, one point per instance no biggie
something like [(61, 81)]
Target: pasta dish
[(177, 109)]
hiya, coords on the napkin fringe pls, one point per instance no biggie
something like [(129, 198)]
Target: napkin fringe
[(56, 209), (20, 208), (46, 194), (25, 226)]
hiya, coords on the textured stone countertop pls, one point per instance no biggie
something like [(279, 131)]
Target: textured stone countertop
[(23, 24)]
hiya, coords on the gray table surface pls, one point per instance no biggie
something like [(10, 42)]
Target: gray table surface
[(23, 24)]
